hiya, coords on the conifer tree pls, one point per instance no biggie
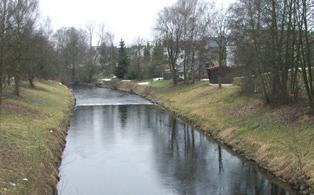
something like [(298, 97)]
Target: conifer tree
[(122, 68)]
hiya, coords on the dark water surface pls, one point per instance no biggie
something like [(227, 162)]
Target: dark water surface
[(120, 144)]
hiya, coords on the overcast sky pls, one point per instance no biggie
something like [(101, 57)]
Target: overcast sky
[(126, 19)]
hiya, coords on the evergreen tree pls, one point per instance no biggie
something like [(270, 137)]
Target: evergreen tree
[(122, 68)]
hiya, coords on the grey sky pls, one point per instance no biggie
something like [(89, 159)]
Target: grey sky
[(126, 19)]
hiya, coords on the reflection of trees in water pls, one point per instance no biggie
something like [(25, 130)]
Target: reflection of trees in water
[(174, 142), (123, 115), (249, 181), (148, 116), (187, 162), (82, 119), (177, 149), (220, 162), (276, 190)]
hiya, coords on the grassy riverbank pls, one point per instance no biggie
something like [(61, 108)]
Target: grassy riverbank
[(32, 133), (280, 140)]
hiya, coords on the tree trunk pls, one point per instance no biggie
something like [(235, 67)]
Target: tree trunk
[(2, 27), (1, 77), (193, 67), (308, 51), (17, 85), (73, 75), (184, 68), (1, 86), (90, 78), (311, 103), (174, 76), (200, 68), (220, 77), (8, 80), (220, 66), (31, 82)]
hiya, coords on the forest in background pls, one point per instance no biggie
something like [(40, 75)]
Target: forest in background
[(271, 42)]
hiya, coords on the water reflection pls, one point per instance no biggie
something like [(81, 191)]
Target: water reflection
[(192, 164), (142, 149), (123, 115), (220, 162)]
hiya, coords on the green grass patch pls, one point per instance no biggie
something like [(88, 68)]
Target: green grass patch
[(33, 128), (160, 84)]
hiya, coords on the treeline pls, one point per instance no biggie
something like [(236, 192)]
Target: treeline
[(25, 50), (147, 60), (81, 61), (181, 47), (273, 39), (29, 49), (270, 40), (142, 60)]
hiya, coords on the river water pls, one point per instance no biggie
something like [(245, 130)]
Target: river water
[(121, 144)]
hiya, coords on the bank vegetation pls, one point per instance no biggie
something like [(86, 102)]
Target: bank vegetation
[(33, 128)]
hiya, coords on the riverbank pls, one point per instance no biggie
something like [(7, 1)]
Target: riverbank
[(33, 129), (280, 140)]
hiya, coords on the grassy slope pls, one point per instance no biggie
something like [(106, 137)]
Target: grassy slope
[(27, 147), (279, 139)]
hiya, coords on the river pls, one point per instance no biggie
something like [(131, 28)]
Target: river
[(122, 144)]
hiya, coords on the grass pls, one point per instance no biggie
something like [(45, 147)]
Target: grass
[(279, 139), (32, 129), (160, 84)]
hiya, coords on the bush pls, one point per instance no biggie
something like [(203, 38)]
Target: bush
[(247, 84), (120, 72), (238, 81), (132, 76)]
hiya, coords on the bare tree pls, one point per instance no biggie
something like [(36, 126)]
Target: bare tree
[(39, 62), (305, 49), (188, 11), (158, 60), (106, 50), (220, 36), (4, 16), (197, 16), (183, 28), (46, 28), (274, 42), (72, 46), (170, 27), (90, 31), (24, 14), (92, 54), (138, 57)]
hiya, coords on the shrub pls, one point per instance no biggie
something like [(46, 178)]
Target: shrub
[(247, 84)]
